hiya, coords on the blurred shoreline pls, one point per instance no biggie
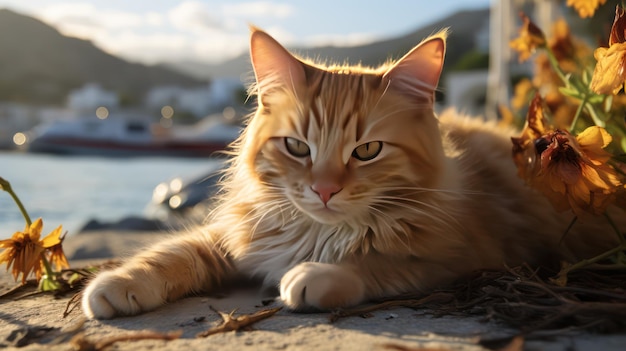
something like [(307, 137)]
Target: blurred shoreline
[(72, 191)]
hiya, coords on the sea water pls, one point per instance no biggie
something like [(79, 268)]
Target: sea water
[(70, 190)]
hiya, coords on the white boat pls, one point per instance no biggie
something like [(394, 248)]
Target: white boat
[(123, 136)]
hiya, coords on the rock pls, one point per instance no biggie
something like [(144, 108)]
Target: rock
[(128, 223)]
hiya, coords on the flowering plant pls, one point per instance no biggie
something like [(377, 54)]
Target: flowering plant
[(573, 143), (25, 253)]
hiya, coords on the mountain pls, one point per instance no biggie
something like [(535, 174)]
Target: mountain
[(38, 65), (464, 25)]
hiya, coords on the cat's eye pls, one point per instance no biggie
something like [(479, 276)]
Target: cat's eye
[(367, 151), (297, 148)]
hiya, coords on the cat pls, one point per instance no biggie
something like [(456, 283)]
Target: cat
[(345, 186)]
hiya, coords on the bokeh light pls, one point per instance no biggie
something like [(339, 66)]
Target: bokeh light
[(19, 138), (229, 113), (167, 111), (102, 112), (175, 201)]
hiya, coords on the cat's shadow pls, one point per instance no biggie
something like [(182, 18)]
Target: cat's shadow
[(196, 314)]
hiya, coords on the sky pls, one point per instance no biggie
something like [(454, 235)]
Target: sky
[(212, 31)]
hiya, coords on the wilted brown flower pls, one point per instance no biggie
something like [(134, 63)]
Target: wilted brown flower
[(524, 153), (585, 8), (572, 172), (24, 251), (618, 34), (561, 42), (530, 38), (610, 73), (568, 51)]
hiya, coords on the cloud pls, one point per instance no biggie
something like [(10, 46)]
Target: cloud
[(265, 9), (352, 39), (83, 14), (189, 30), (146, 48), (86, 21), (194, 16)]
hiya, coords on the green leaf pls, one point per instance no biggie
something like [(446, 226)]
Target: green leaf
[(595, 99), (571, 92), (74, 278), (48, 283)]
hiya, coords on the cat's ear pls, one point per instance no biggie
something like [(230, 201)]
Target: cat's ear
[(273, 64), (419, 71)]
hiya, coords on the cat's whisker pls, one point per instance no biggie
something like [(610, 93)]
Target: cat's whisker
[(445, 219), (417, 190), (395, 199), (275, 209), (388, 231), (382, 94), (393, 112)]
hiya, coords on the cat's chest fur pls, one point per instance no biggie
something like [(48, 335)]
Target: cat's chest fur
[(277, 245)]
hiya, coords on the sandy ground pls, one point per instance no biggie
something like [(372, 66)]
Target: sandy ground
[(38, 321)]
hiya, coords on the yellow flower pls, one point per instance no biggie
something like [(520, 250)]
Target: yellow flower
[(24, 251), (610, 71), (530, 38), (572, 172), (585, 8)]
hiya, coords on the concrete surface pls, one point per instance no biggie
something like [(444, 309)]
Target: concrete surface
[(393, 329)]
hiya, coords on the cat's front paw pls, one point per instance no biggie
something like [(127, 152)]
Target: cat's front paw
[(312, 285), (119, 293)]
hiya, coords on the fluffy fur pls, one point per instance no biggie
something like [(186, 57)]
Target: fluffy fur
[(344, 187)]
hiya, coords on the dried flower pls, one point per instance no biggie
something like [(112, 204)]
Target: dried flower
[(619, 26), (572, 172), (610, 73), (530, 38), (24, 251), (568, 51), (585, 8), (54, 253)]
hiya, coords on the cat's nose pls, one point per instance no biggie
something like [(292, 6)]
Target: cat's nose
[(325, 190)]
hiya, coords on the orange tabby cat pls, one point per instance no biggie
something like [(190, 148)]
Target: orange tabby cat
[(346, 187)]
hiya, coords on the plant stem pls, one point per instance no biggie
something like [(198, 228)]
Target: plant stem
[(579, 111), (6, 186), (594, 115), (618, 250), (595, 259), (569, 227), (555, 65), (49, 281), (46, 265)]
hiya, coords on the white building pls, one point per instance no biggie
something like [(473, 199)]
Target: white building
[(90, 97), (199, 101)]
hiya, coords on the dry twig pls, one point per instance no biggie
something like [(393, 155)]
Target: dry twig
[(523, 299), (244, 322)]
